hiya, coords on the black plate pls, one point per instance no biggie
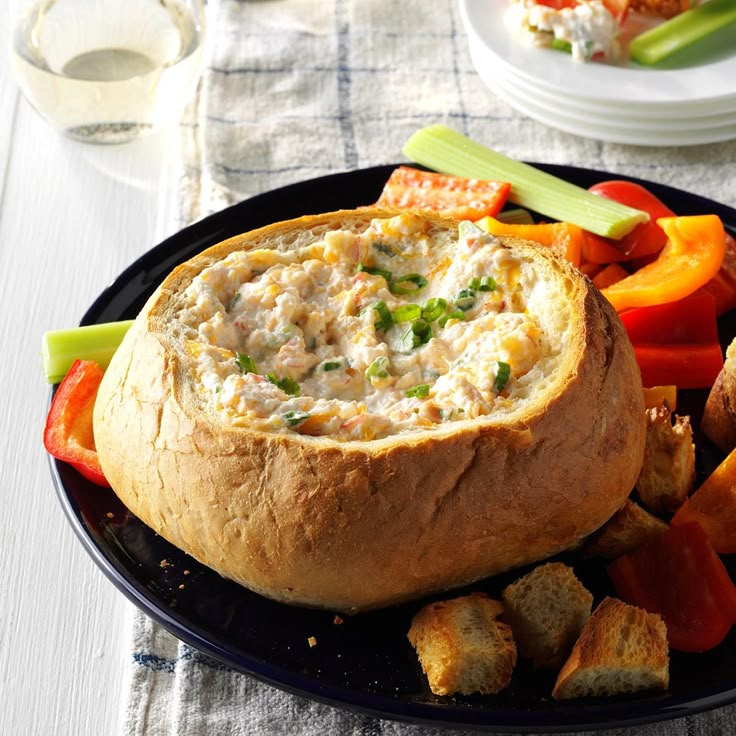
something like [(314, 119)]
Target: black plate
[(365, 663)]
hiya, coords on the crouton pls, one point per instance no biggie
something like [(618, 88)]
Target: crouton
[(668, 471), (546, 610), (621, 649), (462, 647), (629, 528)]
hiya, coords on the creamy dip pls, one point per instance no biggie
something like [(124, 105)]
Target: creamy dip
[(363, 336), (589, 28)]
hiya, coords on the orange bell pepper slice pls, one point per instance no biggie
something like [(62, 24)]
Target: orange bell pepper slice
[(612, 273), (713, 505), (452, 196), (562, 237), (692, 256)]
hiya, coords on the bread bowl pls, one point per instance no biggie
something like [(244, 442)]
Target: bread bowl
[(374, 503), (719, 415)]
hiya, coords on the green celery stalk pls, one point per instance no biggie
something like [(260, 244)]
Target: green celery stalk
[(60, 348), (516, 216), (682, 31), (447, 151)]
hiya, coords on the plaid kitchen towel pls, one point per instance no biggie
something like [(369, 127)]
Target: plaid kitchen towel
[(295, 89)]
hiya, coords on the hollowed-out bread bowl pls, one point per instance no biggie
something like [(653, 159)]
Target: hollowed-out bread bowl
[(269, 417)]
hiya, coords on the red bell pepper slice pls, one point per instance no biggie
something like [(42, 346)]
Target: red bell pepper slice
[(451, 196), (676, 343), (645, 239), (68, 434), (680, 576), (723, 285), (688, 320)]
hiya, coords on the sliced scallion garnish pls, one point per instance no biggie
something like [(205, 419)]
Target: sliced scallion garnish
[(465, 299), (408, 284), (245, 363), (455, 314), (378, 368), (503, 374), (292, 418), (420, 392), (373, 271), (331, 365), (488, 283), (422, 332), (433, 308), (385, 321), (286, 384), (406, 313)]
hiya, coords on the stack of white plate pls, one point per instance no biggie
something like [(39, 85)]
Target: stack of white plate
[(621, 104)]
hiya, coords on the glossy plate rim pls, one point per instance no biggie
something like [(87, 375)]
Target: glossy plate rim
[(74, 493)]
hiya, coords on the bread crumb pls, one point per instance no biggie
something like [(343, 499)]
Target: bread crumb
[(187, 572), (110, 515), (337, 620), (312, 640), (181, 587), (164, 563)]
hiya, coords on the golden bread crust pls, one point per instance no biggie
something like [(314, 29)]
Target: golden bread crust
[(359, 525)]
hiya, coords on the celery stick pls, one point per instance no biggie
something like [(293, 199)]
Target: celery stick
[(517, 216), (443, 149), (61, 348), (682, 31)]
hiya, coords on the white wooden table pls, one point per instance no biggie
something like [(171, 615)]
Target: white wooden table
[(72, 216)]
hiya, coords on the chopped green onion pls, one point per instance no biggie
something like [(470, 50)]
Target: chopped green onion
[(60, 348), (292, 418), (515, 216), (560, 45), (406, 313), (420, 392), (409, 284), (502, 376), (385, 320), (331, 365), (375, 271), (456, 314), (245, 363), (449, 152), (286, 384), (488, 283), (474, 284), (378, 368), (422, 332), (682, 31), (465, 299), (433, 308), (383, 248)]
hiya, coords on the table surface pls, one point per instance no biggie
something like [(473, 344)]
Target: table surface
[(72, 216)]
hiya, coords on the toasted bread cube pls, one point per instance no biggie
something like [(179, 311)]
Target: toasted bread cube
[(668, 472), (621, 649), (546, 610), (629, 528), (462, 647)]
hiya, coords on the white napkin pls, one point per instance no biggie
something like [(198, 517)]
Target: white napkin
[(296, 89)]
